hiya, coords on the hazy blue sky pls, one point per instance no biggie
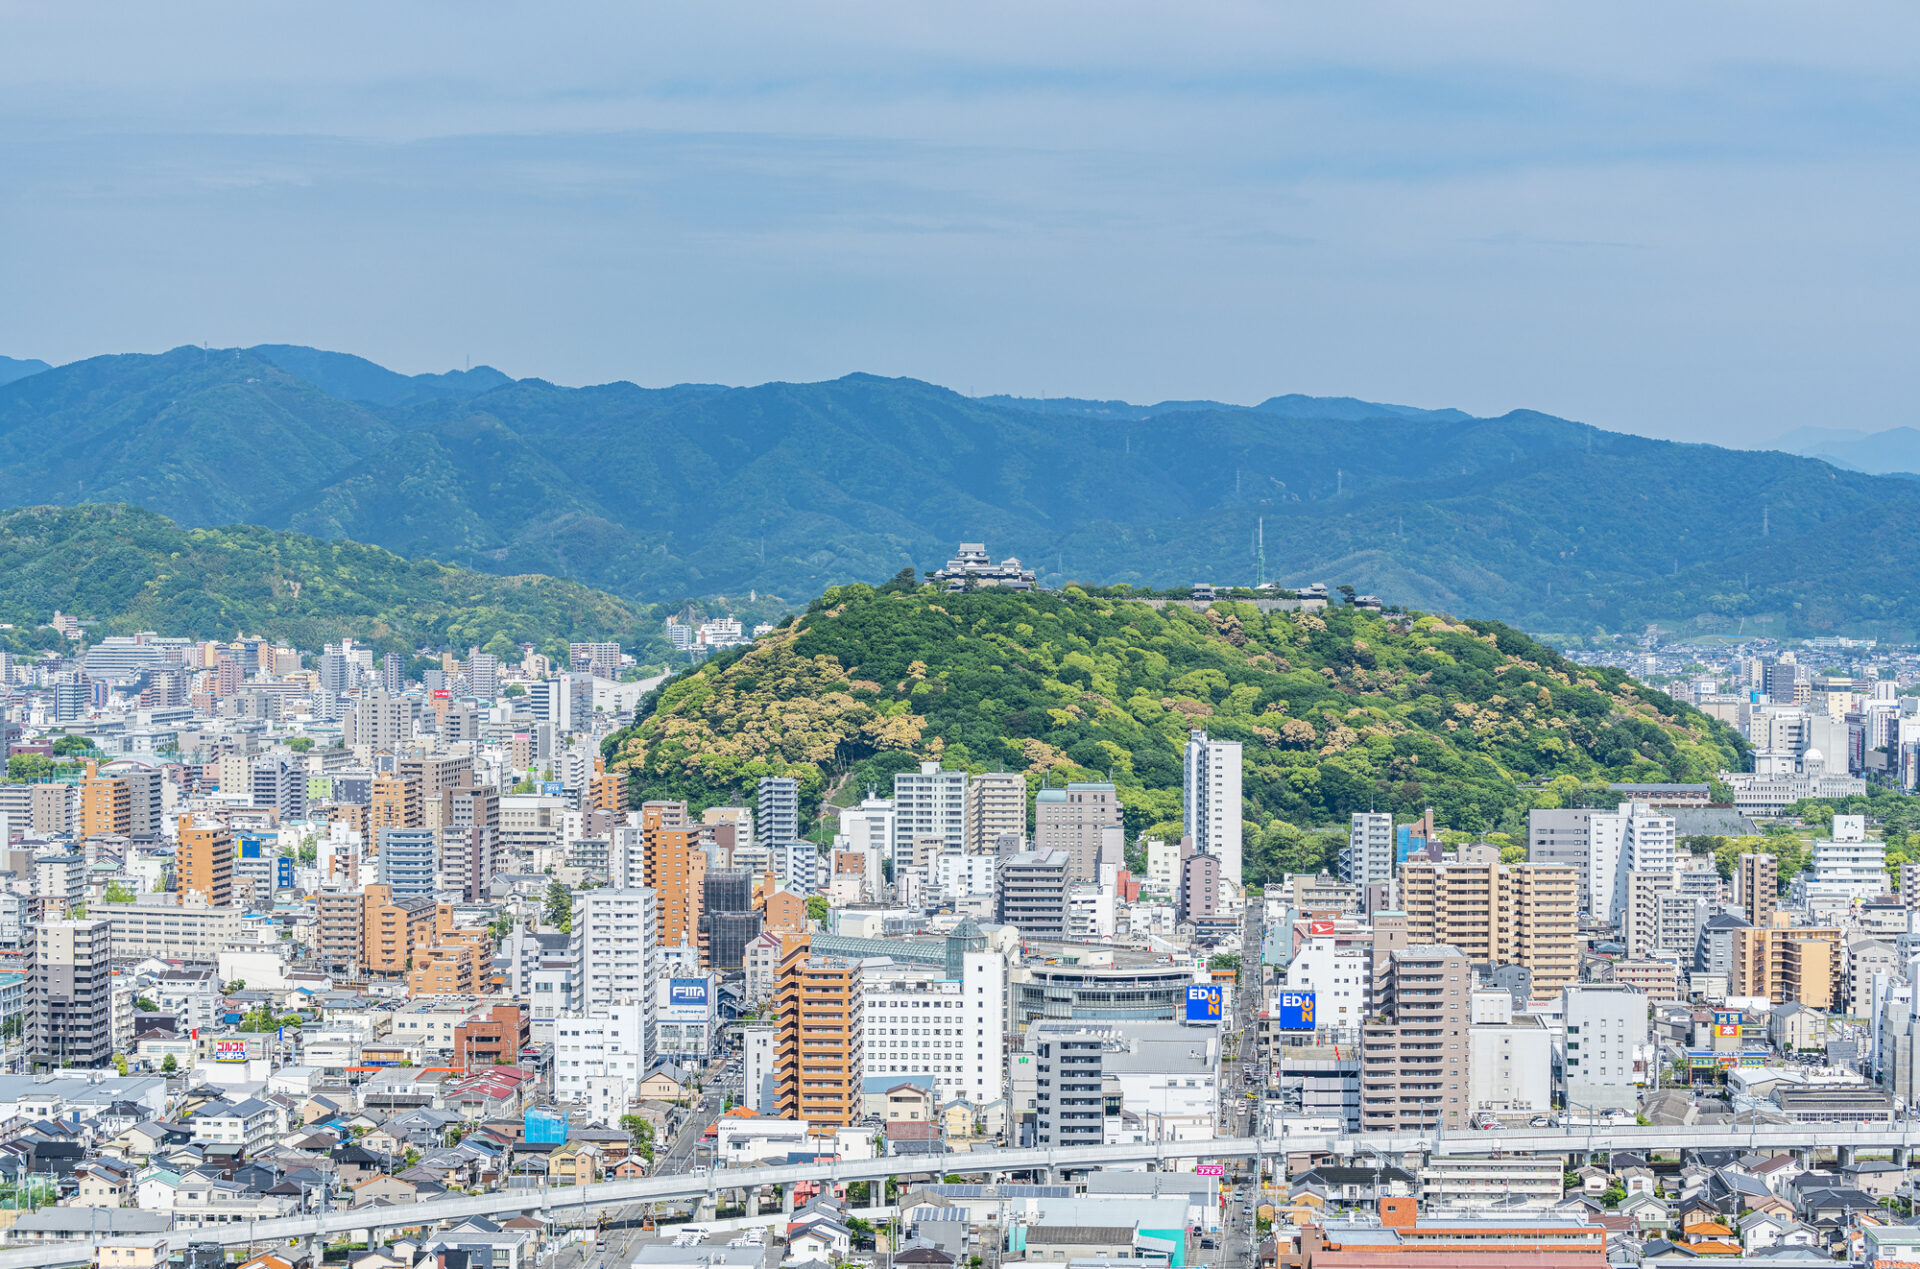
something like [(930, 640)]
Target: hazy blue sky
[(1695, 220)]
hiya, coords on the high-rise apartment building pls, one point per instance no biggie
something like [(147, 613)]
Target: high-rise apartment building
[(70, 1005), (428, 777), (279, 782), (615, 947), (1368, 856), (106, 805), (996, 806), (203, 864), (1800, 965), (390, 806), (373, 930), (1084, 820), (928, 803), (483, 674), (674, 868), (817, 1001), (777, 815), (1560, 836), (1413, 1061), (1645, 843), (1210, 789), (393, 674), (1031, 893), (1498, 914), (382, 721), (601, 660), (409, 859), (470, 840)]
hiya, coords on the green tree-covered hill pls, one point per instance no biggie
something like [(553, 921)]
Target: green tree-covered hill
[(121, 569), (1340, 711)]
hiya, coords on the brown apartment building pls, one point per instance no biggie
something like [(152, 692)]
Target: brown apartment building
[(106, 805), (817, 1053), (1499, 914), (675, 868), (203, 864), (1788, 965), (390, 807), (1756, 887), (428, 777), (372, 930), (1413, 1052)]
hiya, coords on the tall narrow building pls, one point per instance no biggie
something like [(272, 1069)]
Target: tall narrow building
[(928, 803), (1757, 888), (818, 1062), (615, 948), (777, 817), (203, 865), (70, 1007), (1414, 1051), (674, 867), (470, 839), (1210, 788), (996, 806)]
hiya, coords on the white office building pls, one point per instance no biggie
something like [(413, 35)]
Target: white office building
[(1338, 970), (1845, 869), (948, 1024), (1210, 789), (1606, 1033), (589, 1052)]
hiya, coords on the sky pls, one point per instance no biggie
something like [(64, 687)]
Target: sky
[(1692, 221)]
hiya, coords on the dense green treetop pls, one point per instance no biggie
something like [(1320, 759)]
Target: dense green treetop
[(1339, 711)]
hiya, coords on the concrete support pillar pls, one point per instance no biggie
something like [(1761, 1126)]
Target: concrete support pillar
[(753, 1202), (1807, 1157), (1901, 1156), (1846, 1155), (786, 1197), (708, 1208)]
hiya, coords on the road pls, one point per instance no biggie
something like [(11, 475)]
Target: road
[(716, 1081)]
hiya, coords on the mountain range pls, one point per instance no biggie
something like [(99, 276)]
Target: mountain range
[(659, 494)]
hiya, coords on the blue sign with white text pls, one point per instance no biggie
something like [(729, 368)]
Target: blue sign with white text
[(1203, 1003), (1296, 1011), (687, 991)]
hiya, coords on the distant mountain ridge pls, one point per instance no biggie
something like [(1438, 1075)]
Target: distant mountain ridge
[(658, 494), (12, 368), (1293, 405), (1895, 451)]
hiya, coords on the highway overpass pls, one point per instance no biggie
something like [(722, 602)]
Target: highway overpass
[(705, 1188)]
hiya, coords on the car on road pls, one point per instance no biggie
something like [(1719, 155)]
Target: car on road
[(1540, 1121)]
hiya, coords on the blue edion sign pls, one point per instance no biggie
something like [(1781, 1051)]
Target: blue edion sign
[(1203, 1003), (1296, 1011)]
